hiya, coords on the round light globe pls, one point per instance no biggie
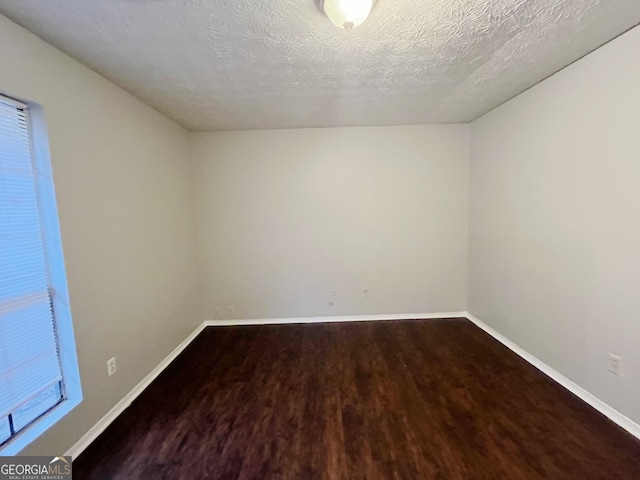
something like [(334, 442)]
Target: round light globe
[(347, 13)]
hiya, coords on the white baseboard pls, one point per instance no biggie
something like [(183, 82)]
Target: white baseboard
[(609, 412), (105, 421), (343, 318)]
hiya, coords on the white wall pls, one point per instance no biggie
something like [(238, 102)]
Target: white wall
[(555, 221), (125, 202), (286, 216)]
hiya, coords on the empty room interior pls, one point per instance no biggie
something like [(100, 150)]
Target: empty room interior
[(320, 239)]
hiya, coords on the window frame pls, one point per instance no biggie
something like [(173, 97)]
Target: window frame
[(57, 281)]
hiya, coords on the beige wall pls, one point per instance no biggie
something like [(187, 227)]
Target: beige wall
[(287, 216), (555, 221), (125, 203)]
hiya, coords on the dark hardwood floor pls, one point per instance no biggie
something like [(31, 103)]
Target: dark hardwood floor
[(432, 399)]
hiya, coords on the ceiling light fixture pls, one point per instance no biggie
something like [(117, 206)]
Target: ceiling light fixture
[(346, 13)]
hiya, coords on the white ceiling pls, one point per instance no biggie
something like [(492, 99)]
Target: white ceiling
[(244, 64)]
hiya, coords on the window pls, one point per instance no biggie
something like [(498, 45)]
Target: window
[(39, 379)]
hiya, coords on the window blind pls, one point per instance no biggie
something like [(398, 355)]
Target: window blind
[(29, 362)]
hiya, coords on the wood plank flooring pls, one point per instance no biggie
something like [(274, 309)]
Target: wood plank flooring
[(417, 399)]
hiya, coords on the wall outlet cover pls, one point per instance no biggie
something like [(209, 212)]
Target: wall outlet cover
[(615, 364), (111, 366)]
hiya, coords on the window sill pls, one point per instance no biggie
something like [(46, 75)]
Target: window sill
[(30, 433)]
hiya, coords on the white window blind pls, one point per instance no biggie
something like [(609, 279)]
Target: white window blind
[(29, 362)]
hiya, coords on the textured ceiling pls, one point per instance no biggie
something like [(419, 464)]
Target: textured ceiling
[(241, 64)]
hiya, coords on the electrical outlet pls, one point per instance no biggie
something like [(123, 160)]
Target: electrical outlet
[(333, 294), (231, 311), (331, 304), (218, 312), (365, 291), (111, 366), (615, 364)]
